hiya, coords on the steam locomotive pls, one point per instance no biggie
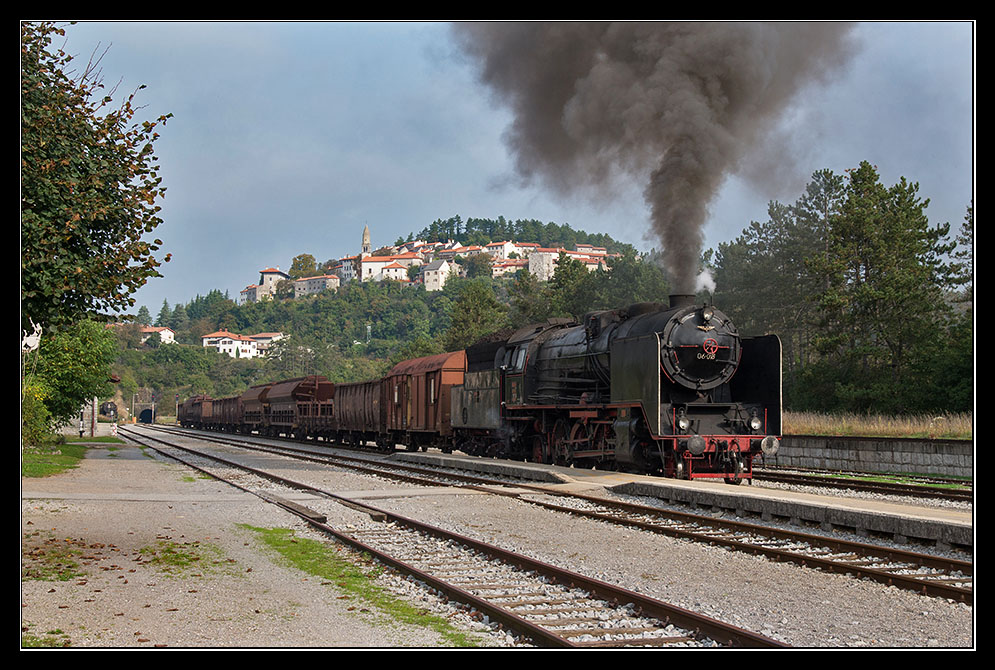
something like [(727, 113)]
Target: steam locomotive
[(666, 389)]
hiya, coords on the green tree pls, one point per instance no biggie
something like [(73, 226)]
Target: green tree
[(164, 314), (302, 266), (631, 279), (178, 319), (478, 266), (89, 186), (884, 274), (530, 300), (570, 286), (153, 341), (144, 317), (474, 314), (129, 335), (962, 270), (72, 366)]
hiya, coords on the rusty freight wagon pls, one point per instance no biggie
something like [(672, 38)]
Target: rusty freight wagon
[(301, 407), (255, 409), (196, 412), (359, 415), (418, 399)]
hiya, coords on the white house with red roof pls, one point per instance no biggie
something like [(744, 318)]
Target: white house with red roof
[(233, 344), (543, 261), (434, 275), (166, 335), (508, 267), (264, 340), (378, 268), (500, 251), (239, 346), (526, 248)]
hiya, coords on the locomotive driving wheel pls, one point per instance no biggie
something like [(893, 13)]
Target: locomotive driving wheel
[(540, 452), (582, 436), (561, 443)]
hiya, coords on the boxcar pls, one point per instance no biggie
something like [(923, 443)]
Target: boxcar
[(418, 393)]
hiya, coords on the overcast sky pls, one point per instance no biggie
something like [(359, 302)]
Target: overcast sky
[(288, 138)]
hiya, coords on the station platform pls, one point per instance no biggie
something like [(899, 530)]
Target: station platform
[(942, 526)]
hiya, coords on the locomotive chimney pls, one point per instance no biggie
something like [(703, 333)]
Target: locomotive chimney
[(681, 300)]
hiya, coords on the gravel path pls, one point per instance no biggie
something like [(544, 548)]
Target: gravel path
[(116, 504)]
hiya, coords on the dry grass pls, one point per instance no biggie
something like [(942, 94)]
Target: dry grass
[(947, 426)]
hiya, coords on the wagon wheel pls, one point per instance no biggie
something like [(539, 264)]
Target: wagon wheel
[(540, 453)]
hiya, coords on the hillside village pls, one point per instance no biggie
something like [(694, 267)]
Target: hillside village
[(415, 262), (430, 264)]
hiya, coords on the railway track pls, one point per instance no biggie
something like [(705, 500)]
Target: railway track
[(923, 573), (920, 488), (551, 606)]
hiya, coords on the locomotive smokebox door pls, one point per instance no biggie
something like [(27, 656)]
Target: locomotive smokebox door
[(635, 378)]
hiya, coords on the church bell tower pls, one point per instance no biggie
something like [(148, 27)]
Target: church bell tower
[(367, 247)]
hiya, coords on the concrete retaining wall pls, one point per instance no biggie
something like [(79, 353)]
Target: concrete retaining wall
[(935, 457)]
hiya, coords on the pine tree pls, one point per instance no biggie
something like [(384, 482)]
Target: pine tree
[(164, 314), (883, 272)]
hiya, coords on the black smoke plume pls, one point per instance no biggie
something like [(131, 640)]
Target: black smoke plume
[(677, 105)]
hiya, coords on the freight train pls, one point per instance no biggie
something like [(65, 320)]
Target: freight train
[(652, 388)]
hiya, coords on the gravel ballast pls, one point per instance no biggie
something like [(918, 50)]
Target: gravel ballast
[(118, 502)]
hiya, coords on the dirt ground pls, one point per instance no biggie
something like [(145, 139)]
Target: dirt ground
[(108, 516)]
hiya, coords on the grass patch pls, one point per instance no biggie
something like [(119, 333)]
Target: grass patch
[(109, 439), (53, 561), (355, 580), (179, 559), (947, 426), (47, 461), (53, 638), (899, 478)]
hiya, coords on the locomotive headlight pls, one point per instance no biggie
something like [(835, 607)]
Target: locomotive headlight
[(755, 422), (707, 313), (683, 422)]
